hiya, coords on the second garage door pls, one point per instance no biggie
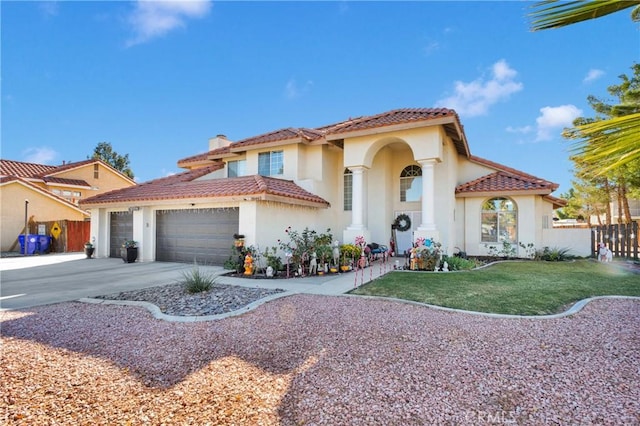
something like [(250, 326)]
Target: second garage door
[(121, 230), (204, 236)]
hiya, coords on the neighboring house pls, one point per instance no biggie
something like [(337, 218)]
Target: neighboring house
[(356, 177), (52, 192)]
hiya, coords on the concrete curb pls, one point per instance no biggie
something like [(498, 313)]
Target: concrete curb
[(574, 309), (158, 314), (155, 311)]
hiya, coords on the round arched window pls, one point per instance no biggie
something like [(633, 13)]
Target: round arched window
[(411, 183), (499, 221)]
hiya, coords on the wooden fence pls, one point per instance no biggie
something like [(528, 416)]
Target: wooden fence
[(74, 234), (622, 239)]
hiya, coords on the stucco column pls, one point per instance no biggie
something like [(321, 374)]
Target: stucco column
[(357, 198), (428, 195)]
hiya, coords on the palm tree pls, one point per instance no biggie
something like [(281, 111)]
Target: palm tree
[(614, 139)]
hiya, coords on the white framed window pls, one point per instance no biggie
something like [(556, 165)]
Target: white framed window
[(347, 190), (411, 184), (236, 168), (271, 163), (499, 221)]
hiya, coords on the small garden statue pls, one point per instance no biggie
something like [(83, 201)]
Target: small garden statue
[(248, 264), (336, 253), (313, 263), (414, 259)]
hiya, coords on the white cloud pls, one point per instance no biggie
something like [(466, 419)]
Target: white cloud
[(523, 129), (553, 119), (293, 91), (593, 75), (476, 97), (39, 155), (49, 8), (152, 19)]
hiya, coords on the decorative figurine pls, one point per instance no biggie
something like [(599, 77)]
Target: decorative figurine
[(248, 264)]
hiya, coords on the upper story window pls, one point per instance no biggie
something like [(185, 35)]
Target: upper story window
[(236, 168), (348, 189), (499, 221), (411, 183), (270, 163), (96, 171)]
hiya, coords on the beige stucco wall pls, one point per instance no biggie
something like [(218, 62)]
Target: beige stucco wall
[(107, 180), (42, 207)]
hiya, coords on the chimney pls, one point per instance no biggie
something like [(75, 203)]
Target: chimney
[(219, 141)]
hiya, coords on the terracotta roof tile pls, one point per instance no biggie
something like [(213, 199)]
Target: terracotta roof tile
[(47, 173), (63, 181), (397, 116), (279, 135), (24, 170), (203, 156), (186, 186), (502, 181)]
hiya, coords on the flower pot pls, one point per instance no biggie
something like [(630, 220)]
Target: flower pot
[(129, 254), (88, 251)]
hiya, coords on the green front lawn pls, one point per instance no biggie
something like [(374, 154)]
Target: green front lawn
[(519, 288)]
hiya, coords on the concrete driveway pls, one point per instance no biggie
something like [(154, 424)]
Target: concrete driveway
[(41, 280)]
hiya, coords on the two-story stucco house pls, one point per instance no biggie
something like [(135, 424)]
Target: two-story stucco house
[(356, 177)]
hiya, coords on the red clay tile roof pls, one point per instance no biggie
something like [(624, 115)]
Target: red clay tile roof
[(186, 186), (397, 116), (506, 179), (63, 181), (279, 135), (47, 173), (24, 170), (504, 182)]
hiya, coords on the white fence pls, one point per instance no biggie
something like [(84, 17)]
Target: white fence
[(578, 240)]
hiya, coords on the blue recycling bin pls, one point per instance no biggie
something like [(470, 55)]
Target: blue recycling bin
[(31, 244), (44, 243)]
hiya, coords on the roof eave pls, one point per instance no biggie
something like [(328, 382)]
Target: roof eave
[(270, 144), (466, 194)]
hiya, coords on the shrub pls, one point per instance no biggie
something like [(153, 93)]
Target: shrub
[(459, 264), (196, 281), (273, 260), (554, 254)]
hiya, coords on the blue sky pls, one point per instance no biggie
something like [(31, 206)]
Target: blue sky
[(158, 79)]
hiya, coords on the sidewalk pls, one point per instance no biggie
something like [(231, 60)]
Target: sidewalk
[(36, 280)]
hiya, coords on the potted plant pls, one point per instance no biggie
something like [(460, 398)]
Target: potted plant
[(129, 251), (89, 249)]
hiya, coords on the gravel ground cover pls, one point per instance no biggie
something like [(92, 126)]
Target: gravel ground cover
[(320, 360), (173, 299)]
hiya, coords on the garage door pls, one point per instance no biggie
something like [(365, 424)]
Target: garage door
[(203, 235), (120, 230)]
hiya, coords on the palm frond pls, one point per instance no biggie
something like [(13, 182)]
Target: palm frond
[(555, 14), (609, 144)]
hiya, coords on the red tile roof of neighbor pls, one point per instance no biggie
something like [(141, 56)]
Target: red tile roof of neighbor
[(47, 173), (186, 186), (389, 118), (24, 170)]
